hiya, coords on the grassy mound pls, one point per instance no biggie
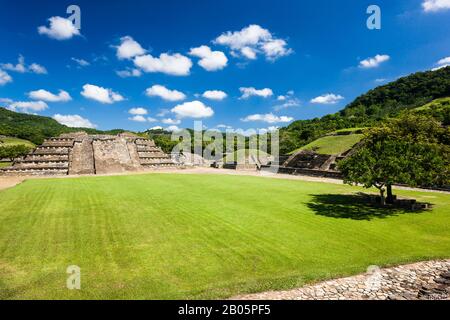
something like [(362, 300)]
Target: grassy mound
[(170, 236), (11, 141), (332, 144), (5, 164)]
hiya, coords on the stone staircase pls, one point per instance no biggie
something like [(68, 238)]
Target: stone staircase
[(51, 158), (151, 156)]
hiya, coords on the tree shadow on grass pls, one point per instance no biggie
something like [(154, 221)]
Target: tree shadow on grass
[(354, 206)]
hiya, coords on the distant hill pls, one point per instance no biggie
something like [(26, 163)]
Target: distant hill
[(369, 109), (12, 141), (332, 145), (438, 109), (36, 128)]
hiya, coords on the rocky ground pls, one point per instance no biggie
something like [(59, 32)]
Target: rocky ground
[(419, 281)]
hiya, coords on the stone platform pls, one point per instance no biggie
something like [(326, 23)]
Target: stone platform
[(80, 153)]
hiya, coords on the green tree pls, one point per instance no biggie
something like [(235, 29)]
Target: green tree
[(14, 151), (412, 150)]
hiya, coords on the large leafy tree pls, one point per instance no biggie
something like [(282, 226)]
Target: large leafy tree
[(412, 150), (14, 151)]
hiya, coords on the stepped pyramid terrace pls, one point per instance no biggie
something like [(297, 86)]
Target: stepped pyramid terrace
[(80, 153)]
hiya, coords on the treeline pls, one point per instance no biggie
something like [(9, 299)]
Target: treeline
[(163, 139), (14, 151)]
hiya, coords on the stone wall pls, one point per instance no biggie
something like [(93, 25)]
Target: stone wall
[(112, 155)]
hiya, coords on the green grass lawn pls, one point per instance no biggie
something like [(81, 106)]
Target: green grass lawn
[(332, 144), (11, 141), (163, 236), (5, 164)]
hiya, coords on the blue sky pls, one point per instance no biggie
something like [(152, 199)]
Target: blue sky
[(152, 61)]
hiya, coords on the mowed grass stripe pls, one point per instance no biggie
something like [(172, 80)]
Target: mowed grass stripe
[(163, 236)]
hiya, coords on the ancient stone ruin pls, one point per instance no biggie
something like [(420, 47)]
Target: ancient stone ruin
[(309, 161), (80, 153)]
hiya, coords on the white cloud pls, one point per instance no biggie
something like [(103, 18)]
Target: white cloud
[(252, 40), (129, 73), (288, 95), (172, 64), (37, 68), (435, 5), (329, 98), (223, 126), (100, 94), (171, 121), (164, 93), (173, 129), (74, 121), (156, 128), (290, 103), (249, 92), (443, 61), (269, 118), (249, 53), (440, 67), (275, 49), (80, 62), (138, 111), (21, 67), (249, 36), (268, 129), (374, 62), (214, 95), (129, 48), (60, 29), (138, 115), (193, 109), (27, 106), (163, 112), (6, 100), (41, 94), (209, 60), (4, 77), (138, 118), (380, 80)]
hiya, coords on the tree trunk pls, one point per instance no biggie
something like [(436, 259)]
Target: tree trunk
[(390, 196), (382, 200)]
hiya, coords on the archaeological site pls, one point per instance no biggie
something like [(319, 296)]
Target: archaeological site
[(83, 154)]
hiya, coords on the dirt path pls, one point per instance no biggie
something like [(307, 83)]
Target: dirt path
[(8, 182)]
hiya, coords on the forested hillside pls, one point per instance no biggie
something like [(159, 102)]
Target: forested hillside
[(380, 103), (36, 128)]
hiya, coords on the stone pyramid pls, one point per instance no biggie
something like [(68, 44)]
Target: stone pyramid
[(80, 153)]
